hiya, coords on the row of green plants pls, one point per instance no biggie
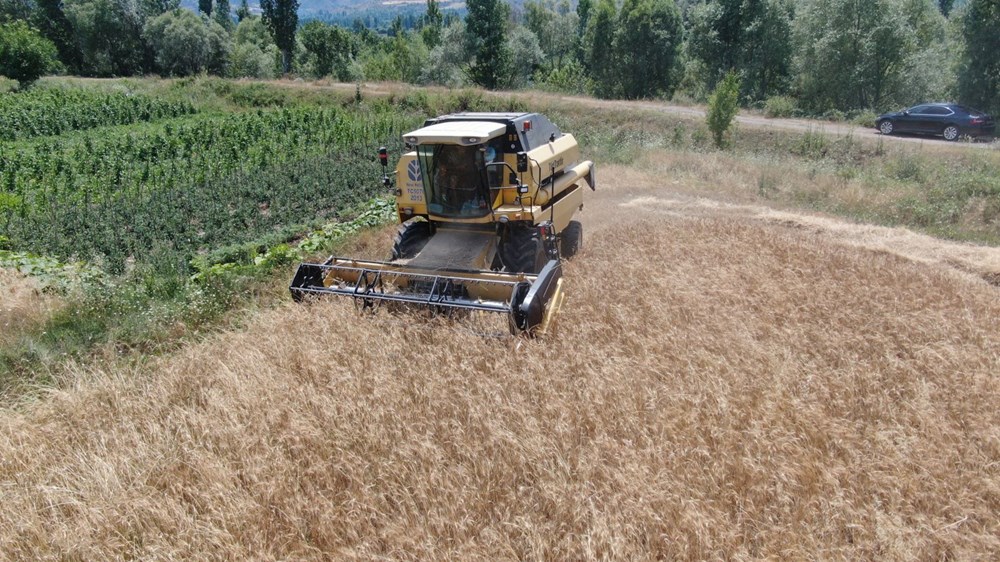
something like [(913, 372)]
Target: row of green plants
[(40, 112), (164, 192)]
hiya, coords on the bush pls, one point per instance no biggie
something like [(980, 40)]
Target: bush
[(25, 55), (570, 79), (834, 115), (249, 61), (722, 107), (780, 106), (865, 118)]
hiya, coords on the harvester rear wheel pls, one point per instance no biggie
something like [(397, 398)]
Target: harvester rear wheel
[(522, 251), (571, 239), (411, 236)]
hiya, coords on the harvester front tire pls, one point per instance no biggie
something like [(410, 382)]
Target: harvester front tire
[(522, 252), (571, 239), (411, 237)]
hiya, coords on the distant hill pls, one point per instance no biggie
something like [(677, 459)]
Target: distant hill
[(317, 9)]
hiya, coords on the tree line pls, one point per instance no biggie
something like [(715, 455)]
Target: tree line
[(811, 56)]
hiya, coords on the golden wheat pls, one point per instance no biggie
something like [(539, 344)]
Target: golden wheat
[(722, 387)]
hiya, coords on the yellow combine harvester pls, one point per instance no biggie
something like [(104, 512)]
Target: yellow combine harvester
[(486, 204)]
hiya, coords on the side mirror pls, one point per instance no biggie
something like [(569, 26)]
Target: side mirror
[(383, 158), (522, 162), (906, 112)]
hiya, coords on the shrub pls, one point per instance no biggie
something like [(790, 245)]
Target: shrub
[(865, 118), (722, 107), (248, 61), (834, 115), (570, 79), (780, 106)]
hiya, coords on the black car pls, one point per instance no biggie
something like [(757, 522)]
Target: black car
[(949, 120)]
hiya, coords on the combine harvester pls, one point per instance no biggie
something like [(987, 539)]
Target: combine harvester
[(485, 204)]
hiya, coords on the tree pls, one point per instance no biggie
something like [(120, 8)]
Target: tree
[(11, 10), (329, 49), (445, 62), (583, 11), (109, 33), (25, 55), (281, 18), (930, 67), (979, 76), (223, 14), (53, 24), (945, 6), (433, 24), (851, 53), (153, 8), (526, 56), (555, 27), (647, 45), (752, 36), (243, 12), (599, 57), (485, 37), (254, 53), (186, 43), (766, 53), (722, 107), (205, 7)]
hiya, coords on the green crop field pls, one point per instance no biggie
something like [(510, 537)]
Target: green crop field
[(188, 184), (152, 204), (130, 199), (55, 111)]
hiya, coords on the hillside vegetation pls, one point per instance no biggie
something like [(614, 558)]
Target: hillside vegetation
[(835, 58)]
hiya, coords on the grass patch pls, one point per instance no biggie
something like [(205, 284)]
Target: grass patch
[(942, 191)]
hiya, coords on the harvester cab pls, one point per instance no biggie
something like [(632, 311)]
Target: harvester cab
[(485, 203)]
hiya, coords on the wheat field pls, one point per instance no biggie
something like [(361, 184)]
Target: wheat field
[(727, 383)]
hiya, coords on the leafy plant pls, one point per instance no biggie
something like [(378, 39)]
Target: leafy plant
[(723, 106)]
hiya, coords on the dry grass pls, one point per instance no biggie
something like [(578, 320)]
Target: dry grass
[(23, 306), (723, 387)]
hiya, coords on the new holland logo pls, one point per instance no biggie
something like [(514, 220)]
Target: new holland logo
[(413, 170)]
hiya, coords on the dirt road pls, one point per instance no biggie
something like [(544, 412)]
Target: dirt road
[(748, 119)]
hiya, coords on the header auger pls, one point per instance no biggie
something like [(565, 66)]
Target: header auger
[(485, 203)]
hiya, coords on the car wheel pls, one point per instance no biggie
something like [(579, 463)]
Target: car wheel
[(950, 132), (885, 127)]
